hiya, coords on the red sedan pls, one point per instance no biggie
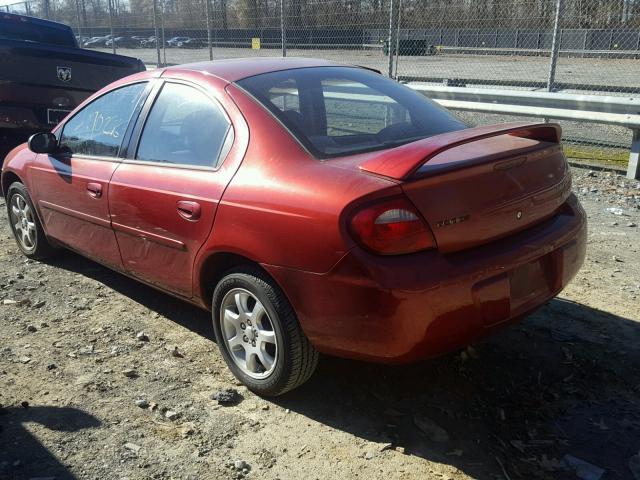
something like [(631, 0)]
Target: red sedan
[(312, 207)]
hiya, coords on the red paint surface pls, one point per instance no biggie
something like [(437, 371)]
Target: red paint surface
[(275, 205), (63, 190)]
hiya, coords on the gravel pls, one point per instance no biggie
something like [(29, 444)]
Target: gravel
[(142, 337), (227, 396), (560, 383)]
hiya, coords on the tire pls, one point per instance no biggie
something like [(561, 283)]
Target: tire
[(294, 358), (23, 216)]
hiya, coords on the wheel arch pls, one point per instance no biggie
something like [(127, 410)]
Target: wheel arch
[(9, 177), (216, 265)]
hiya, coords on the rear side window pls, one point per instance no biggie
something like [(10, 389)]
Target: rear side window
[(98, 128), (184, 127), (337, 111)]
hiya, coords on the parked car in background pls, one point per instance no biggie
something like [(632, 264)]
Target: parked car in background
[(97, 42), (123, 42), (410, 47), (45, 75), (82, 39), (312, 207), (139, 39), (88, 39), (149, 42), (184, 42)]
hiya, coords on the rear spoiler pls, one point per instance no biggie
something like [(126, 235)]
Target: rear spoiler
[(402, 162)]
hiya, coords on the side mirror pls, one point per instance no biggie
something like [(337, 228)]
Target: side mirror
[(43, 143)]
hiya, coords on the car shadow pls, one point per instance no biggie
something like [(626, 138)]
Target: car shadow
[(22, 455), (181, 312), (512, 406)]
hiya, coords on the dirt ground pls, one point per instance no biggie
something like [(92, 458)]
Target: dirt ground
[(83, 397)]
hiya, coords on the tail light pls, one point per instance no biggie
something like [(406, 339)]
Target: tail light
[(391, 227)]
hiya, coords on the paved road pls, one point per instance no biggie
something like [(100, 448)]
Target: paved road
[(500, 69)]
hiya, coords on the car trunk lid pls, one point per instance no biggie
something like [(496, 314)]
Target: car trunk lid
[(478, 185)]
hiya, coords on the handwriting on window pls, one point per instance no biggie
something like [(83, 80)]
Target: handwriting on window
[(99, 123)]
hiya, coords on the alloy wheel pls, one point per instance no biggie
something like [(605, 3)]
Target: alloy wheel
[(249, 334), (22, 219)]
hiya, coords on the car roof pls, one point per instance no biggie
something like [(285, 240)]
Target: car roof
[(236, 69)]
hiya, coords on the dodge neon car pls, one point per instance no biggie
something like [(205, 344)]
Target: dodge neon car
[(310, 206)]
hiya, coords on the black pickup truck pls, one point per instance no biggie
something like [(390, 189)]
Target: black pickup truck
[(44, 75)]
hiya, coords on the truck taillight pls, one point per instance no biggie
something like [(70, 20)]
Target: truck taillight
[(391, 227)]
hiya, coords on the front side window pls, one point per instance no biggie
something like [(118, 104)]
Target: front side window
[(337, 111), (184, 127), (98, 128)]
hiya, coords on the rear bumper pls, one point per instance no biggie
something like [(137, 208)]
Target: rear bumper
[(402, 309)]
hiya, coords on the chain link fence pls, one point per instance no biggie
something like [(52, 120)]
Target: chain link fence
[(574, 46)]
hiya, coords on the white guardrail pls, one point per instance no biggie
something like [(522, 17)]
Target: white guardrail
[(608, 110)]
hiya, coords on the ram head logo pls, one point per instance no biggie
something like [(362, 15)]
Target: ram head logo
[(64, 74)]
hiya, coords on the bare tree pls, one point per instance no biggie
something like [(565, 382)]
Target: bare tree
[(440, 15)]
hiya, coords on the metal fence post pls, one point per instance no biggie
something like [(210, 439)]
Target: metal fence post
[(207, 7), (633, 170), (164, 44), (113, 40), (610, 39), (155, 28), (391, 38), (79, 24), (397, 46), (555, 48), (283, 30), (539, 44)]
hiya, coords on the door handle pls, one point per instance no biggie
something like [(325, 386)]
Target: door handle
[(189, 210), (94, 189)]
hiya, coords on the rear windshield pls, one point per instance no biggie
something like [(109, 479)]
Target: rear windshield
[(336, 111), (22, 28)]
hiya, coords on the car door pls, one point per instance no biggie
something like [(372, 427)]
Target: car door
[(164, 195), (71, 187)]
